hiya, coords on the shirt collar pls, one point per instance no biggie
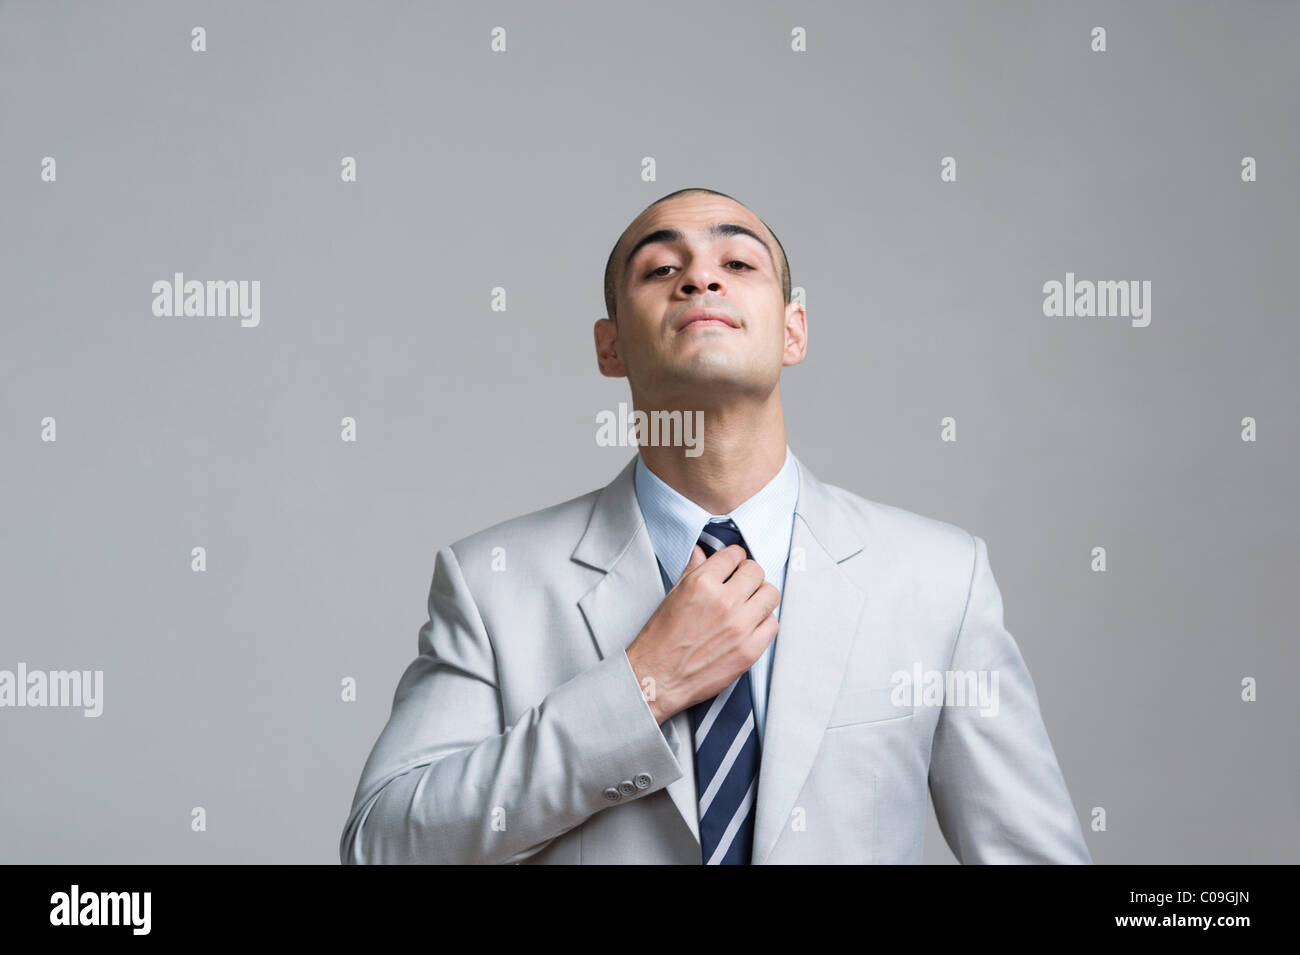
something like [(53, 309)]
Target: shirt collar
[(765, 520)]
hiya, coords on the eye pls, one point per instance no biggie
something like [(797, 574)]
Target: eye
[(661, 273)]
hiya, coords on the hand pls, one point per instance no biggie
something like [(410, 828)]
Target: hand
[(710, 628)]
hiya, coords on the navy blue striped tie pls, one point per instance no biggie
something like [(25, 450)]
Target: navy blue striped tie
[(726, 750)]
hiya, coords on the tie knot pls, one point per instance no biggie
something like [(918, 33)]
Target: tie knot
[(719, 534)]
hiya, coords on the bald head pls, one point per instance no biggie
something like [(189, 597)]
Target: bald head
[(620, 254)]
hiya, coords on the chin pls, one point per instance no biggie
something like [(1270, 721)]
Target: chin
[(713, 372)]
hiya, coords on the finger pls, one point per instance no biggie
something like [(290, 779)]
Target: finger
[(762, 635), (761, 605), (724, 562), (747, 579)]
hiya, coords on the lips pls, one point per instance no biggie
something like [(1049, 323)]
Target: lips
[(705, 317)]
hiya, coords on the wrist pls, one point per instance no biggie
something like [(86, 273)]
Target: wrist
[(647, 686)]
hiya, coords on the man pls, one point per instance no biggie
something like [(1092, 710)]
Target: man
[(602, 681)]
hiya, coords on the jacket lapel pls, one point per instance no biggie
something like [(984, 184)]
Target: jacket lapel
[(820, 607), (620, 603)]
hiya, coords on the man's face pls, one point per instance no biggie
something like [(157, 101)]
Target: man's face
[(701, 317)]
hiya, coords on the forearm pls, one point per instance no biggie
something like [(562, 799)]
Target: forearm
[(507, 796)]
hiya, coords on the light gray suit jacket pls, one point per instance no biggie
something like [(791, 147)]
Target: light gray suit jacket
[(521, 735)]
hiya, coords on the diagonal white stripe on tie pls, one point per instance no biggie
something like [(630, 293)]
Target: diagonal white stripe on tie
[(742, 811), (715, 708), (737, 744)]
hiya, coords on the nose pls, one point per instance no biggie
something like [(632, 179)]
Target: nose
[(700, 278)]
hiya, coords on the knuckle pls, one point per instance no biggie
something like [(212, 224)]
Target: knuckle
[(742, 657)]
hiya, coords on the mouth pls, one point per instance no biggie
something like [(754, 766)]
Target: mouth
[(706, 318)]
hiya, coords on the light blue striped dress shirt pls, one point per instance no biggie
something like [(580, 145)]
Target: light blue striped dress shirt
[(766, 521)]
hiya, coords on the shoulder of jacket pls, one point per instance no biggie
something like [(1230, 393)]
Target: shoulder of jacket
[(551, 525), (906, 528)]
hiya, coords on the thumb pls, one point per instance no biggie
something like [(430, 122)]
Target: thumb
[(697, 558)]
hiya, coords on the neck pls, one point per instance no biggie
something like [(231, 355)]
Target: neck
[(743, 448)]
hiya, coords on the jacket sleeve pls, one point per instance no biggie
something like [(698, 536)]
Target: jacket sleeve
[(448, 782), (998, 792)]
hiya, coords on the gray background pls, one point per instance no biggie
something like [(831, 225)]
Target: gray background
[(520, 170)]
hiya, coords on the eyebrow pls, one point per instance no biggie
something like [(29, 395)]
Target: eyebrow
[(716, 231)]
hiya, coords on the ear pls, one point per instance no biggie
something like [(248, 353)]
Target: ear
[(796, 334), (607, 358)]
